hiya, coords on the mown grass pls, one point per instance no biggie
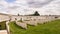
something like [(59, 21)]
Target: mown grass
[(52, 27)]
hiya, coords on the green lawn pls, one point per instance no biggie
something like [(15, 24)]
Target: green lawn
[(52, 27)]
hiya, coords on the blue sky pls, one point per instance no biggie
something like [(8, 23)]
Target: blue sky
[(9, 1)]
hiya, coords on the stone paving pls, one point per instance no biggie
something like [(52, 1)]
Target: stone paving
[(3, 31)]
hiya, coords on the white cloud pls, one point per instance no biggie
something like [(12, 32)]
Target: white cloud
[(38, 3), (25, 7)]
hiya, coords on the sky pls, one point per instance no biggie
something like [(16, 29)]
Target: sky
[(26, 7)]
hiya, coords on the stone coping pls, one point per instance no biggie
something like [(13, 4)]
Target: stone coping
[(3, 31)]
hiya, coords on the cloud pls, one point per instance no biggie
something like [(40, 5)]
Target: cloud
[(3, 6), (38, 3), (24, 7)]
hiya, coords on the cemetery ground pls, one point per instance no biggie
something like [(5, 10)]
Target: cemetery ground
[(3, 29), (3, 25), (52, 27)]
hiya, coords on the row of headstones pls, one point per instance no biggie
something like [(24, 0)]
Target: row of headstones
[(31, 18), (34, 23)]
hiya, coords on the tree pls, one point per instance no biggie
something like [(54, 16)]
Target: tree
[(18, 14), (36, 14)]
